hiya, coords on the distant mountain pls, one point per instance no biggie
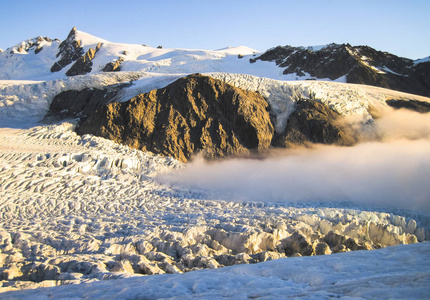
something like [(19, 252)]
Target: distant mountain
[(80, 53), (352, 64)]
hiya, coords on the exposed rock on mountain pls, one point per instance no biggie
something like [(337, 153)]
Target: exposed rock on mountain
[(34, 44), (114, 66), (415, 105), (82, 103), (359, 64), (70, 50), (312, 122), (195, 113), (83, 64)]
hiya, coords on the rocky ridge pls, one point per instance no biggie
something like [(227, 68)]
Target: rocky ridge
[(74, 103), (313, 122), (114, 66), (358, 64), (70, 50), (195, 113), (201, 114), (84, 63), (35, 44), (415, 105), (188, 117)]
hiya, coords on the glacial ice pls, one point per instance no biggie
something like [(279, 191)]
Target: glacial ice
[(78, 209)]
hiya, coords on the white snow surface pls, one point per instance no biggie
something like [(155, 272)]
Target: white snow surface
[(91, 215), (422, 60), (398, 272)]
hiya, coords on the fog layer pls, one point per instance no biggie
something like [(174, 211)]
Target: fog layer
[(391, 172)]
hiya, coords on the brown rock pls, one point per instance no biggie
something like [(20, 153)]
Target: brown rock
[(312, 122), (82, 103), (84, 64), (114, 66), (194, 114)]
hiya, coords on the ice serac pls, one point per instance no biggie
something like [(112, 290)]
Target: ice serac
[(69, 51), (358, 64), (194, 114), (34, 44)]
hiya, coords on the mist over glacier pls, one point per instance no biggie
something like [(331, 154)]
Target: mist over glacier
[(392, 171)]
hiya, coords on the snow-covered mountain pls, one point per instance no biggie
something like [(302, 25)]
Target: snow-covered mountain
[(81, 53), (352, 64), (53, 59), (97, 215)]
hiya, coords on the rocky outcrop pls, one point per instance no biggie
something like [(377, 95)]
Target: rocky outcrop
[(34, 44), (194, 114), (114, 66), (82, 103), (312, 122), (359, 64), (415, 105), (69, 51), (199, 114), (83, 65)]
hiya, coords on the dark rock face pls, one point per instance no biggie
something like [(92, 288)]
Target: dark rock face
[(331, 62), (360, 64), (415, 105), (312, 122), (199, 114), (82, 103), (70, 50), (83, 65), (195, 113)]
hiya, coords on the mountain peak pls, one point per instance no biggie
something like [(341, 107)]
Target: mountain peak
[(69, 51)]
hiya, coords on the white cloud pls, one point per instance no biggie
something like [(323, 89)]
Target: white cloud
[(394, 172)]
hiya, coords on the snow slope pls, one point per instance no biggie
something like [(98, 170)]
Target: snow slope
[(27, 65), (398, 272)]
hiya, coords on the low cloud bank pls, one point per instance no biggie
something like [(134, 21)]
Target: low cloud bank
[(392, 172)]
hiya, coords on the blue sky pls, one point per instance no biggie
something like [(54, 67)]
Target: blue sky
[(399, 27)]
